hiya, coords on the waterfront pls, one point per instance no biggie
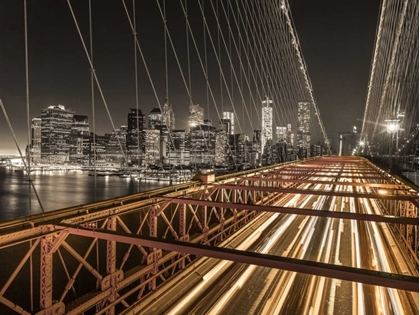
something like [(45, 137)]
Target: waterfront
[(60, 189)]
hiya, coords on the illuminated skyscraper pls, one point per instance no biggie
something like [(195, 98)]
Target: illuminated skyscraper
[(136, 122), (155, 118), (36, 140), (178, 155), (230, 115), (220, 158), (168, 116), (152, 146), (56, 123), (267, 122), (280, 133), (226, 125), (303, 137), (79, 132), (196, 116)]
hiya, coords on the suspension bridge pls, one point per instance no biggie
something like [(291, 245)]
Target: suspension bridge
[(322, 234)]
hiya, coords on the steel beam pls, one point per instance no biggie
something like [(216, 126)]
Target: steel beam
[(308, 174), (366, 276), (413, 199), (46, 274), (300, 211), (335, 183)]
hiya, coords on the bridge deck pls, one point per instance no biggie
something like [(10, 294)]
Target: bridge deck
[(113, 254)]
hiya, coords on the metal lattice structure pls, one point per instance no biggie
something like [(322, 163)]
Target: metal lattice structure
[(108, 256)]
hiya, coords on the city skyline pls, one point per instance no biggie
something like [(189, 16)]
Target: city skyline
[(60, 74), (63, 138)]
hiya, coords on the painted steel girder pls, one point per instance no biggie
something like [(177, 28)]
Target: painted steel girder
[(384, 279), (299, 211), (413, 199), (46, 276), (17, 237), (309, 181), (308, 174)]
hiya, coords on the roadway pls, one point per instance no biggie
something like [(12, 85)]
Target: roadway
[(229, 288)]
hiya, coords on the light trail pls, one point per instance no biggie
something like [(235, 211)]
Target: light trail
[(369, 245)]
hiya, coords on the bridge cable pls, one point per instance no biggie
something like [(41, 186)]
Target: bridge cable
[(21, 155), (136, 82), (29, 146), (96, 78), (92, 93), (285, 7), (202, 63), (178, 63)]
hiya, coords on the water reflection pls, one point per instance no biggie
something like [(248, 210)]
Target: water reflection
[(60, 189)]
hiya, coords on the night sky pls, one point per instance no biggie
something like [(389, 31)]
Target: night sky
[(336, 37)]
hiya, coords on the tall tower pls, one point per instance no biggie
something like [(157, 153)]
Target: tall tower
[(168, 116), (230, 116), (267, 122), (196, 116), (280, 133), (303, 137), (155, 118), (79, 131), (56, 123), (36, 140), (136, 122)]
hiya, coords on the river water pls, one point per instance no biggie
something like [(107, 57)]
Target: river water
[(60, 189)]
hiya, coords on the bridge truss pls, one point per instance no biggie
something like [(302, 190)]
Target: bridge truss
[(105, 257)]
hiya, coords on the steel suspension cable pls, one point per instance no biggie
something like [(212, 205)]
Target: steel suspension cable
[(92, 95), (305, 72), (21, 155), (96, 78), (202, 65), (177, 60), (392, 62), (136, 82)]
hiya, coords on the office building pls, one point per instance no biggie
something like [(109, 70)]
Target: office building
[(168, 116), (155, 118), (267, 122), (78, 151), (281, 133), (231, 117), (152, 147), (136, 123), (56, 124), (303, 136), (36, 140), (196, 116)]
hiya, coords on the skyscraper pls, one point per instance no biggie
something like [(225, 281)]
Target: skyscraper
[(230, 115), (196, 116), (152, 147), (56, 123), (226, 126), (303, 137), (256, 148), (155, 118), (79, 131), (168, 116), (136, 123), (267, 122), (178, 155), (113, 149), (280, 133), (36, 140), (202, 145), (220, 158)]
